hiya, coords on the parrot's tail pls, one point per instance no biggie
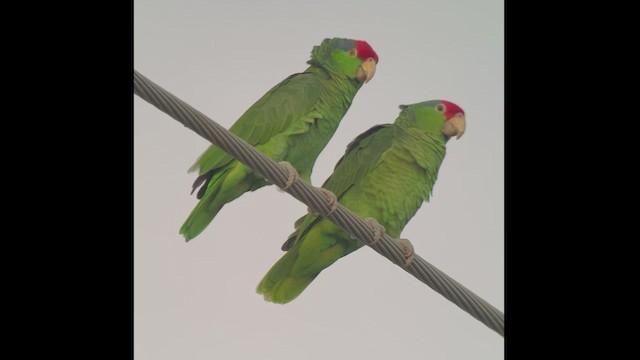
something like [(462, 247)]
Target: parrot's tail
[(280, 285), (219, 188), (303, 262)]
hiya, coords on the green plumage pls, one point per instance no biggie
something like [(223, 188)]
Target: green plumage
[(386, 173), (292, 122)]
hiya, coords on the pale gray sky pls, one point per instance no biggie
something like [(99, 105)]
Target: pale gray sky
[(198, 300)]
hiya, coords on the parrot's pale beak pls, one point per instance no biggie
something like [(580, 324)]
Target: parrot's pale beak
[(366, 70), (455, 126)]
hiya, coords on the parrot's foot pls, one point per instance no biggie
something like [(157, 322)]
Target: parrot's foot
[(407, 250), (378, 230), (332, 201), (292, 174)]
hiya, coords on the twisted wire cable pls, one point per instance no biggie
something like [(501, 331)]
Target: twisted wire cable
[(316, 199)]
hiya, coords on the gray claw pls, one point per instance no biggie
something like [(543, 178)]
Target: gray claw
[(378, 230), (407, 250), (332, 202), (292, 174)]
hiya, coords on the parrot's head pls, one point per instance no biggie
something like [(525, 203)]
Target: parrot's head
[(353, 59), (434, 116)]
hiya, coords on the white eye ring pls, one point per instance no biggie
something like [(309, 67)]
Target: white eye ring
[(441, 108), (353, 52)]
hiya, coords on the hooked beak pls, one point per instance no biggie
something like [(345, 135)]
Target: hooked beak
[(366, 70), (455, 126)]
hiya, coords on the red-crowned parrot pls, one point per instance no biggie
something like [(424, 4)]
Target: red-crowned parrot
[(291, 123), (386, 174)]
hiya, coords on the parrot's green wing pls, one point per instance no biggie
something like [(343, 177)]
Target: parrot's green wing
[(272, 114), (363, 154)]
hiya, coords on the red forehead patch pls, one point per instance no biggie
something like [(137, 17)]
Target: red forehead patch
[(451, 109), (365, 51)]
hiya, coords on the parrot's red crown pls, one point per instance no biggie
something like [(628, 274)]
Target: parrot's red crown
[(451, 109), (365, 51)]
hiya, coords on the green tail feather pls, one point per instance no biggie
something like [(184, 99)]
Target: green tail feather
[(302, 264), (279, 285), (224, 187)]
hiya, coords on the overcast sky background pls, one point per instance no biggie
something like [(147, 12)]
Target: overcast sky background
[(197, 300)]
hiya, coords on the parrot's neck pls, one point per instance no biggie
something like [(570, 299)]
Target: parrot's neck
[(430, 155), (337, 89)]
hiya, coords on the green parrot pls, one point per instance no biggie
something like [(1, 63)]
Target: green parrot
[(291, 123), (386, 174)]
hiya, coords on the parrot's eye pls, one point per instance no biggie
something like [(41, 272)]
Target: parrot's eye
[(441, 108), (353, 52)]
